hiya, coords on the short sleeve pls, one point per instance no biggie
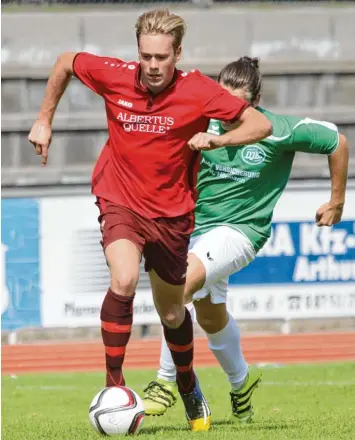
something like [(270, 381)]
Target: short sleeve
[(218, 103), (312, 136), (95, 71)]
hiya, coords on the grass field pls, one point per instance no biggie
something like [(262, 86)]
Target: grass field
[(304, 402)]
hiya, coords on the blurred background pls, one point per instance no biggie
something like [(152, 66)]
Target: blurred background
[(54, 273)]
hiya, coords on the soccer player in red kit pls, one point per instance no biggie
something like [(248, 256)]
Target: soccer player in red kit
[(144, 180)]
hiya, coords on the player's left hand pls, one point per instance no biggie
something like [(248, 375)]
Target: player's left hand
[(204, 141), (329, 214)]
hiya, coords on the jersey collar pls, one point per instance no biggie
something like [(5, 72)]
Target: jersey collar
[(143, 88)]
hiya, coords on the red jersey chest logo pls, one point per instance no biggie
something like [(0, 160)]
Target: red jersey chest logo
[(145, 123), (143, 113), (135, 115)]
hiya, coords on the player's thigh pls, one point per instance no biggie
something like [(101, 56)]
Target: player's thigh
[(217, 292), (123, 258), (195, 277), (167, 273), (168, 299), (123, 245), (166, 262), (196, 270), (211, 317), (166, 252), (222, 251)]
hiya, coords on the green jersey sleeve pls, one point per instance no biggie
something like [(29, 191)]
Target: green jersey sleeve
[(312, 136)]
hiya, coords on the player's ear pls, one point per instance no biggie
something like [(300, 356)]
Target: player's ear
[(178, 54)]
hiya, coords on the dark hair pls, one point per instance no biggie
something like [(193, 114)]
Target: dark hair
[(243, 74)]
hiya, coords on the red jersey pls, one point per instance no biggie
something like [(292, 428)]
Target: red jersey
[(146, 164)]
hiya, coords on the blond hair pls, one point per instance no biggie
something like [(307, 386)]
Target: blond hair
[(161, 21)]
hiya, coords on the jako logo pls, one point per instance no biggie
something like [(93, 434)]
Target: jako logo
[(253, 155), (125, 103)]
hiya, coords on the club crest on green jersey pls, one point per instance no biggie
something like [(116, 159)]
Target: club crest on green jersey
[(253, 155)]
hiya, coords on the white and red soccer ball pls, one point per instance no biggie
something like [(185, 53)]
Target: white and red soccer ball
[(116, 410)]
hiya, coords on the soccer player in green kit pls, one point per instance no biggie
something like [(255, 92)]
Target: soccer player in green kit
[(238, 189)]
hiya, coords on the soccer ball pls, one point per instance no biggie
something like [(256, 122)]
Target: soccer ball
[(116, 410)]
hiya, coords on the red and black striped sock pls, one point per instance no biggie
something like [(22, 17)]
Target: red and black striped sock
[(116, 326), (180, 343)]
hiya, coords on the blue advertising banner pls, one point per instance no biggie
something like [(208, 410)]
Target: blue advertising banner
[(20, 299), (302, 252)]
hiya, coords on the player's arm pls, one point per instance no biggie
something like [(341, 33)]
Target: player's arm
[(41, 133), (320, 137), (252, 126), (57, 83), (92, 70), (330, 213), (249, 125)]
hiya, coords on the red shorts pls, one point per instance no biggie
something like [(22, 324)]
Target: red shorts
[(163, 241)]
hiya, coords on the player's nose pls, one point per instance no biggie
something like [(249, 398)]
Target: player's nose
[(153, 65)]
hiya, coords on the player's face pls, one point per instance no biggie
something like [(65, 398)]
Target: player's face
[(158, 60)]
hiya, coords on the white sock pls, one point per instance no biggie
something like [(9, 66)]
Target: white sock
[(167, 370), (225, 345)]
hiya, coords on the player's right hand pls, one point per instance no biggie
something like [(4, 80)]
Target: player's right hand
[(204, 141), (40, 137), (329, 214)]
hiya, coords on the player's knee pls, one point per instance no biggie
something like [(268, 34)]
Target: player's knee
[(173, 318), (211, 317), (212, 322), (207, 323), (124, 284)]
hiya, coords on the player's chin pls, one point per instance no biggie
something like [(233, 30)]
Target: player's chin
[(157, 83), (155, 80)]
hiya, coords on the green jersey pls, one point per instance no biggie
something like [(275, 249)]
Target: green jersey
[(239, 186)]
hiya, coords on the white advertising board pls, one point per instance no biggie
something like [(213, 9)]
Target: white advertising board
[(302, 272)]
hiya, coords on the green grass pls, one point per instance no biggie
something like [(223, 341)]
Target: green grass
[(305, 402)]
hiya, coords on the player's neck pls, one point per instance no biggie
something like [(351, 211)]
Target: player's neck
[(155, 91)]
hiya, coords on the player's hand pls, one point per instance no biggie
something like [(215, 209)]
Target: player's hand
[(40, 137), (204, 141), (329, 214)]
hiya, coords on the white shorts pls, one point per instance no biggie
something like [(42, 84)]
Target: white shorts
[(223, 251)]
